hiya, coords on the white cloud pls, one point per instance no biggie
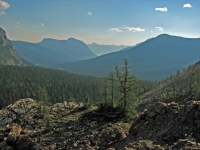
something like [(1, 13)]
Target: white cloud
[(18, 23), (89, 13), (115, 29), (4, 5), (42, 24), (159, 28), (161, 9), (134, 29), (2, 12), (187, 5)]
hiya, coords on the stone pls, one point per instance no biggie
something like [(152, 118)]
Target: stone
[(23, 143), (52, 147), (7, 148), (190, 107), (159, 106), (11, 139), (2, 136), (3, 144), (152, 113)]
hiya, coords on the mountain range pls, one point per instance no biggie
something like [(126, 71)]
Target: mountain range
[(50, 51), (153, 59), (105, 49), (8, 54)]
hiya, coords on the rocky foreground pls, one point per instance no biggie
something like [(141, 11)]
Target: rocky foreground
[(163, 126)]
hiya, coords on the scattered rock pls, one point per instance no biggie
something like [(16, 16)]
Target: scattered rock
[(162, 126)]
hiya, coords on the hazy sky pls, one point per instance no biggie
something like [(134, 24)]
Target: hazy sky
[(117, 22)]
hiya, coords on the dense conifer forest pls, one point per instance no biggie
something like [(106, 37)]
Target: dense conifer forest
[(22, 82)]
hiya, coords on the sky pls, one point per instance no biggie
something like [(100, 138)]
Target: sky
[(119, 22)]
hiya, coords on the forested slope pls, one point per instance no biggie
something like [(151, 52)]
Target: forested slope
[(22, 82)]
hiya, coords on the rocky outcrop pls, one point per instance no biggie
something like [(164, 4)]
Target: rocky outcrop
[(163, 126), (22, 128), (8, 55), (167, 124), (21, 112), (60, 107), (3, 37)]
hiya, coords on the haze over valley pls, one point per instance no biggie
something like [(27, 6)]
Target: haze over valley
[(107, 75)]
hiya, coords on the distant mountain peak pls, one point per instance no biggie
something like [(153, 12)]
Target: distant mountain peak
[(71, 38), (56, 40), (47, 40), (163, 35)]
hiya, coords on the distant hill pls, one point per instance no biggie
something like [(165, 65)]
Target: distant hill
[(104, 49), (50, 51), (8, 55), (153, 59)]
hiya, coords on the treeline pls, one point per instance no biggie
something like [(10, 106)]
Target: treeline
[(22, 82)]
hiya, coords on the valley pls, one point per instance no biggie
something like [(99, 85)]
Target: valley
[(153, 59), (89, 77)]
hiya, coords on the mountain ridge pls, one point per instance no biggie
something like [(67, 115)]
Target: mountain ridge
[(101, 49), (50, 51), (8, 54), (161, 53)]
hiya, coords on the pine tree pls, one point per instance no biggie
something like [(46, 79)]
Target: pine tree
[(128, 84), (111, 83), (196, 84), (43, 100), (88, 102), (104, 92)]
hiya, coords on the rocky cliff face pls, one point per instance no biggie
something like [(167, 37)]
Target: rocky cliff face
[(8, 55), (3, 37)]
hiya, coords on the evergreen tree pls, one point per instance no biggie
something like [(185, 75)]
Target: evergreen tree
[(196, 84), (71, 99), (111, 87), (104, 92), (128, 83), (43, 100), (88, 102)]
